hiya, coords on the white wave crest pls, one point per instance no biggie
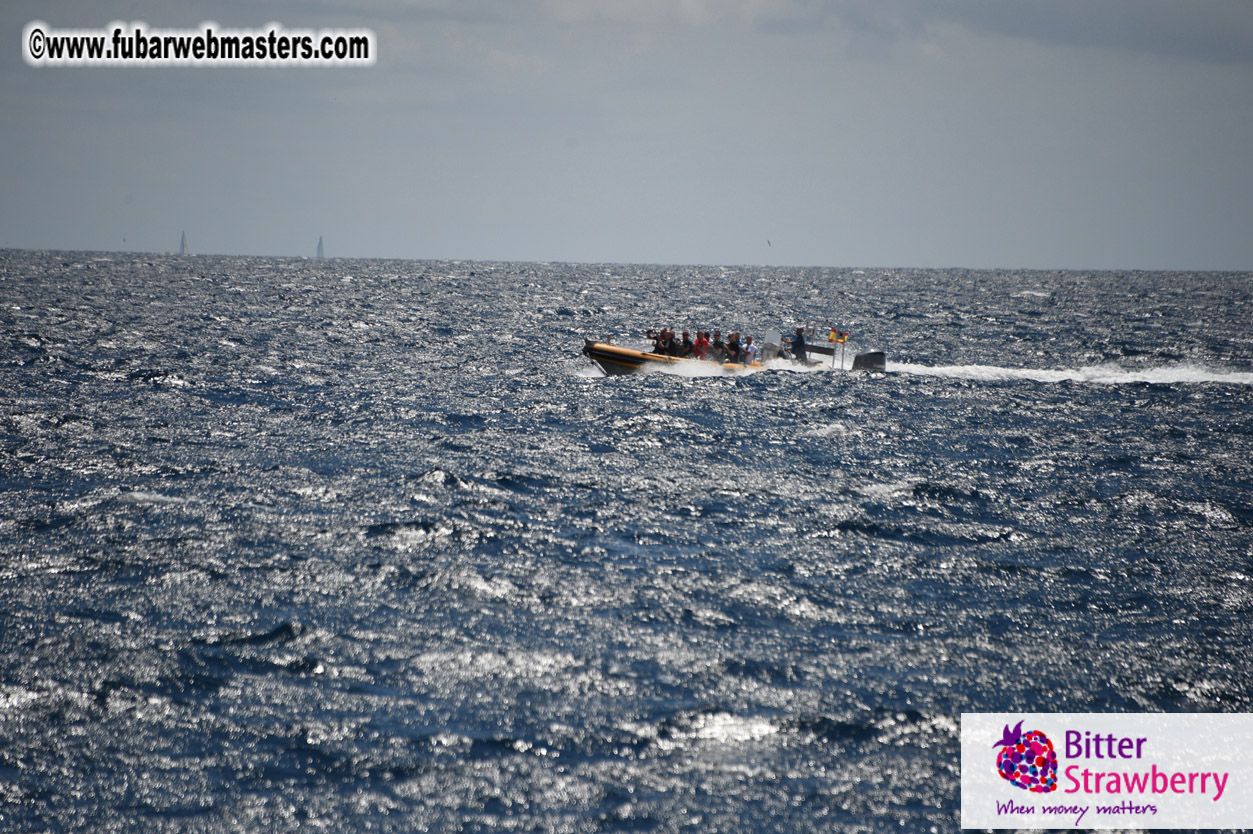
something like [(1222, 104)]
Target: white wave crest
[(1095, 374)]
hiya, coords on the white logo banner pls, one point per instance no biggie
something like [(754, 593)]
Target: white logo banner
[(1106, 770)]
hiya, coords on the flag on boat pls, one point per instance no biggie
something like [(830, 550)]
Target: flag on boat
[(837, 336)]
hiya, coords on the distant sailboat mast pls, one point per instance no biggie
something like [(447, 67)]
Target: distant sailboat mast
[(182, 246), (321, 254)]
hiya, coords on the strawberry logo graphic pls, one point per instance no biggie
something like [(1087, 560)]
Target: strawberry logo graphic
[(1027, 760)]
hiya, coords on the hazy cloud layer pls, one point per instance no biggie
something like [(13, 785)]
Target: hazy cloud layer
[(1065, 133)]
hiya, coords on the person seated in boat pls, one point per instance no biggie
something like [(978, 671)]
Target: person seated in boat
[(734, 351), (798, 345), (687, 347), (657, 337), (718, 348), (700, 348), (664, 343), (750, 351)]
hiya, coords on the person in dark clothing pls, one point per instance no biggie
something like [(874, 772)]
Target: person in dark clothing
[(665, 342), (798, 345), (658, 338), (718, 348)]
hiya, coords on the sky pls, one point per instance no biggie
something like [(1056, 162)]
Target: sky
[(1054, 134)]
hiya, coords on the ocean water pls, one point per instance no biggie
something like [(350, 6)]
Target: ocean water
[(355, 545)]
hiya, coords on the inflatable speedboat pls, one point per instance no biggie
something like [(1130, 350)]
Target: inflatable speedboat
[(616, 360)]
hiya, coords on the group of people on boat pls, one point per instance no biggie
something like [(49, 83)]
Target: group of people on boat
[(713, 348)]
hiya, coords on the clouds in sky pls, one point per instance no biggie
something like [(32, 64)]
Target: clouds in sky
[(1065, 133)]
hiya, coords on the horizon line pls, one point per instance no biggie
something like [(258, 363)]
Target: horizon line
[(674, 264)]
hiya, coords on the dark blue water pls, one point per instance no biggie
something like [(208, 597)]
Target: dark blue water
[(367, 545)]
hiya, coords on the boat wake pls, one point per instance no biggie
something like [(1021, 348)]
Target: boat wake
[(696, 370), (1092, 374), (1095, 374), (707, 369)]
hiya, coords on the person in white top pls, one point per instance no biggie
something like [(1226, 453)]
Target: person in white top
[(750, 351)]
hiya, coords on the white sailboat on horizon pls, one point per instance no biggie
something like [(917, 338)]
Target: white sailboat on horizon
[(321, 254), (182, 246)]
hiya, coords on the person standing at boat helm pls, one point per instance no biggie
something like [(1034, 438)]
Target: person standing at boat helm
[(798, 345), (749, 351)]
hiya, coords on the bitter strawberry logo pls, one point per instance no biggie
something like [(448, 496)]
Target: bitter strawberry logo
[(1027, 760)]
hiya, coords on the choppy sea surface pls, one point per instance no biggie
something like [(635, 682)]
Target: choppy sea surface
[(356, 545)]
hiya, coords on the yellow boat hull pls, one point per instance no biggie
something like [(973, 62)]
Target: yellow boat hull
[(616, 360)]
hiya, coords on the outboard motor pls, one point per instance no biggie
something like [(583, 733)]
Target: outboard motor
[(873, 361)]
